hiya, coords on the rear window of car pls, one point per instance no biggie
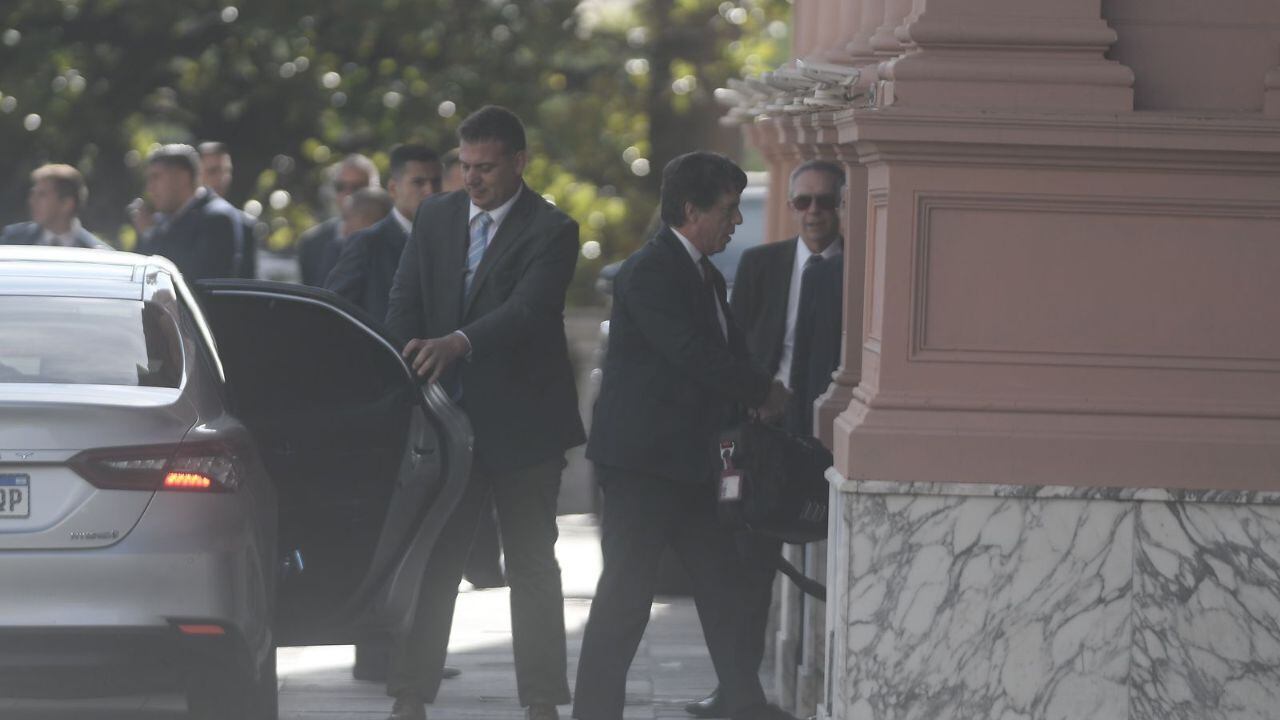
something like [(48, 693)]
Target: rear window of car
[(88, 341)]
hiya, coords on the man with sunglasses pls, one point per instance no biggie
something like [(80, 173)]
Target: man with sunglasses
[(766, 304), (367, 263), (319, 247)]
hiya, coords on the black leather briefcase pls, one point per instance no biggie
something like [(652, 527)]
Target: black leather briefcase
[(774, 482)]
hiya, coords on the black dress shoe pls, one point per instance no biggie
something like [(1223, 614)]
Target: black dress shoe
[(450, 672), (541, 711), (710, 706)]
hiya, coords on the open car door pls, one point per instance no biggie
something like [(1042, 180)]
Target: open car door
[(368, 463)]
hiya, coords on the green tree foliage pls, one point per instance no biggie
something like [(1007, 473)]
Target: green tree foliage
[(609, 89)]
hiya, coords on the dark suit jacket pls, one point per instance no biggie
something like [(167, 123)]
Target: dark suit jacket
[(28, 233), (247, 258), (819, 329), (204, 240), (760, 291), (367, 266), (671, 380), (517, 386), (318, 251)]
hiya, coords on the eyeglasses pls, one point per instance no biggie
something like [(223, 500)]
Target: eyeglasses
[(825, 202), (341, 187)]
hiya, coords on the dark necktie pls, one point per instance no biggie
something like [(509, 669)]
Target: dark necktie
[(800, 344), (709, 277)]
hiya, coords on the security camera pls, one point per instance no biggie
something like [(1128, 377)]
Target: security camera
[(759, 86), (729, 98), (788, 80), (827, 73)]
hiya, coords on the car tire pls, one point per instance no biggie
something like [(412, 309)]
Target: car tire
[(229, 693)]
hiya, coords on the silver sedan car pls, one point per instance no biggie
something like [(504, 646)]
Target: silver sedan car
[(193, 476)]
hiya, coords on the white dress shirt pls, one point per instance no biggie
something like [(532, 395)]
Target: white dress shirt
[(497, 215), (405, 222), (793, 304), (66, 239)]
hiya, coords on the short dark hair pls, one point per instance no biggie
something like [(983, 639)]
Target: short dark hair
[(492, 122), (213, 147), (825, 166), (410, 152), (67, 182), (699, 178), (178, 155)]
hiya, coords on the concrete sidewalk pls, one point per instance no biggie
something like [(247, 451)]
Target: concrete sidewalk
[(671, 666)]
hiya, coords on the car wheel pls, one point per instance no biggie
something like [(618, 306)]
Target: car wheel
[(229, 693)]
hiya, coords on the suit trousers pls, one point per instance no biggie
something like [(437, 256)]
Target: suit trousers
[(526, 504), (760, 554), (642, 514)]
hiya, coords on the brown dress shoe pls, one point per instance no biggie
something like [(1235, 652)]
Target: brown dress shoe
[(541, 711), (408, 707)]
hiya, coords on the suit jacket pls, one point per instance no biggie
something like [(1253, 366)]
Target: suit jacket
[(247, 258), (318, 251), (204, 240), (517, 384), (760, 292), (819, 329), (672, 381), (29, 233), (367, 266)]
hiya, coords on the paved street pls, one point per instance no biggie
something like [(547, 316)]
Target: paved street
[(671, 667)]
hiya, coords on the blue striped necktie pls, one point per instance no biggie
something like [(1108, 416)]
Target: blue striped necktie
[(479, 241)]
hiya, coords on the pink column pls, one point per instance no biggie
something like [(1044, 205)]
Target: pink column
[(884, 42), (854, 223), (1017, 54), (859, 48)]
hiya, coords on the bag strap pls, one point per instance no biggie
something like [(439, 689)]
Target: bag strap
[(807, 585)]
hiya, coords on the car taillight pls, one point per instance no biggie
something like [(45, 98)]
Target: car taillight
[(199, 467)]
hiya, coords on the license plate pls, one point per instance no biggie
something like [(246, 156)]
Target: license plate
[(15, 496)]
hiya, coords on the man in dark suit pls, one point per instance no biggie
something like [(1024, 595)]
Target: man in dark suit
[(216, 172), (367, 265), (819, 330), (675, 375), (766, 302), (57, 194), (480, 295), (320, 246), (199, 231)]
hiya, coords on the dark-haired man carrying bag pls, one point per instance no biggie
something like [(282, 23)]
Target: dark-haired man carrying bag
[(676, 371)]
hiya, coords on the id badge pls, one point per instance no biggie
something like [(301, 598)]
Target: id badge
[(730, 486)]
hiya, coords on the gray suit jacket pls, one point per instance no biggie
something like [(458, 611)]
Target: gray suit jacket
[(28, 233)]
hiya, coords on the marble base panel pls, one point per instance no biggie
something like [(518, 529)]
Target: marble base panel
[(1016, 603)]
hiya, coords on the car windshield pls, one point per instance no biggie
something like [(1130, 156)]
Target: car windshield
[(87, 341)]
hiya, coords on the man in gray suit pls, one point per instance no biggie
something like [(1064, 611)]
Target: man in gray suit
[(57, 194), (479, 296)]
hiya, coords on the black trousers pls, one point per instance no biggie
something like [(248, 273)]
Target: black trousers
[(759, 556), (642, 514), (526, 503)]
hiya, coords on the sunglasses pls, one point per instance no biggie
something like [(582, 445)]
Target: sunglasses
[(339, 186), (825, 202)]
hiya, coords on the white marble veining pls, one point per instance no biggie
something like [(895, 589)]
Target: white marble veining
[(986, 608), (1206, 639), (1044, 492), (1018, 605)]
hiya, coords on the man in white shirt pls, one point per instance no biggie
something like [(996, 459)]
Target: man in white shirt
[(765, 303), (57, 194)]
